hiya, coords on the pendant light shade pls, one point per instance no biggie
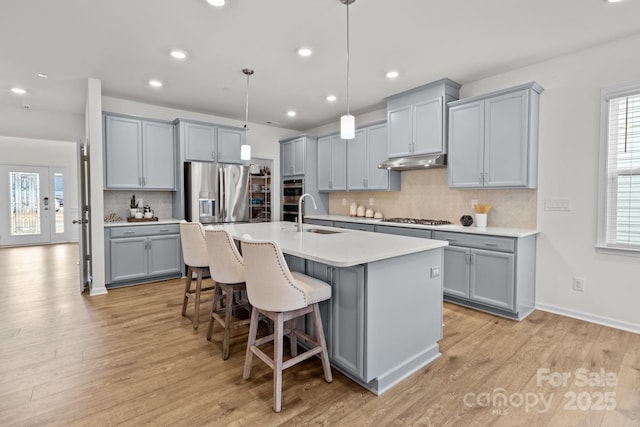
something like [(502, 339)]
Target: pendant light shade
[(347, 127), (347, 122), (245, 149)]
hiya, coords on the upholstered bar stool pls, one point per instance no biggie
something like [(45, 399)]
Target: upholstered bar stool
[(227, 270), (194, 252), (277, 293)]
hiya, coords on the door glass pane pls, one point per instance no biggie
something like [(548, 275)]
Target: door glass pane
[(25, 197), (59, 203)]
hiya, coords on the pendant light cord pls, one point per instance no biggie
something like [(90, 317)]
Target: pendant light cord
[(246, 113), (348, 1)]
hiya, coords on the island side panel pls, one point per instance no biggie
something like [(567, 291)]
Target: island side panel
[(403, 317)]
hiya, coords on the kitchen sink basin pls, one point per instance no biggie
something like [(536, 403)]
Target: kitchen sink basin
[(321, 231)]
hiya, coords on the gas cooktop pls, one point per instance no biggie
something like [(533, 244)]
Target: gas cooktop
[(418, 221)]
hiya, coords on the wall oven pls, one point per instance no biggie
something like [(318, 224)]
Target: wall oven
[(292, 189)]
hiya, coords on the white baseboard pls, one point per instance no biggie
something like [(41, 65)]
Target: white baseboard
[(600, 320)]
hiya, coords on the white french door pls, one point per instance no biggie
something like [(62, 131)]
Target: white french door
[(27, 205)]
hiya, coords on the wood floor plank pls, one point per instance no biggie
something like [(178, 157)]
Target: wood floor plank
[(129, 358)]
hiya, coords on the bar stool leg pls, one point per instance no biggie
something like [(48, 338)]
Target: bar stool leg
[(227, 323), (214, 307), (196, 314), (293, 339), (277, 362), (317, 321), (251, 342), (187, 288)]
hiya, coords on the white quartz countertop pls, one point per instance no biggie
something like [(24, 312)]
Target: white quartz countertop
[(125, 223), (342, 249), (487, 231)]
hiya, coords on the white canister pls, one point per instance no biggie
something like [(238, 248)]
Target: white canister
[(369, 213), (481, 220), (360, 211), (353, 209)]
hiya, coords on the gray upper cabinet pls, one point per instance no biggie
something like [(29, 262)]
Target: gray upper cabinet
[(200, 142), (229, 143), (293, 153), (209, 143), (139, 154), (417, 119), (332, 163), (364, 153), (493, 139)]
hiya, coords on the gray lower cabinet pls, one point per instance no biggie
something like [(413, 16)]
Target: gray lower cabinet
[(496, 274), (139, 254), (139, 154), (343, 315)]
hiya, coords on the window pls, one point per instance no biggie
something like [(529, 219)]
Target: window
[(619, 210)]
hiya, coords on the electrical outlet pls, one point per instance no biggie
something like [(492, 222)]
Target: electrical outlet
[(435, 272), (474, 202), (371, 201), (579, 284)]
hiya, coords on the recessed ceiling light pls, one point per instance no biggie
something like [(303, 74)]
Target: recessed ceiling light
[(178, 54), (331, 98), (216, 2), (155, 83), (43, 75), (18, 90), (291, 113), (304, 51), (392, 74)]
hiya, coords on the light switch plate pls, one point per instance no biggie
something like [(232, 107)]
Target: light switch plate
[(435, 272), (563, 205)]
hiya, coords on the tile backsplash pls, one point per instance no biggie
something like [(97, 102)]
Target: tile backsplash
[(425, 195), (117, 201)]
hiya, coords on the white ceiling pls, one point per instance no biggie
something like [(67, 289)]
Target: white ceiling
[(124, 43)]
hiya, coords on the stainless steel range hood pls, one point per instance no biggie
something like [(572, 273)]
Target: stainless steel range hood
[(415, 162)]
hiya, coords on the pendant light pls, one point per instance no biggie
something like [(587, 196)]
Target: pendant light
[(347, 122), (245, 149)]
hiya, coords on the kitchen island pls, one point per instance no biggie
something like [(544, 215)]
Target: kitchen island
[(384, 319)]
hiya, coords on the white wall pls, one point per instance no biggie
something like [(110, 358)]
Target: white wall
[(568, 169), (39, 124)]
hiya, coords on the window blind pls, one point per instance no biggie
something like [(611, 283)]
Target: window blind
[(623, 173)]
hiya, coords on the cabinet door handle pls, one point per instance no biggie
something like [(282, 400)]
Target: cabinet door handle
[(213, 155), (144, 181), (481, 178), (450, 240), (164, 230), (472, 257), (326, 274), (466, 258), (129, 232), (490, 244), (485, 178), (140, 181)]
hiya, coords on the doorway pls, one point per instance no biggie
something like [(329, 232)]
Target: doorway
[(31, 205)]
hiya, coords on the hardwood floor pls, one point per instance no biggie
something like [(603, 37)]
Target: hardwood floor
[(130, 358)]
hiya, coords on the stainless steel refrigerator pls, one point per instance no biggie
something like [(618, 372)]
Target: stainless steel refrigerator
[(216, 192)]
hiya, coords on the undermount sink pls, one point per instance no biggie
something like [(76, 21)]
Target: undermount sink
[(321, 231)]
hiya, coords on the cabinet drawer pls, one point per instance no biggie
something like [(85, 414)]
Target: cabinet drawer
[(403, 231), (145, 230), (354, 226), (503, 244)]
